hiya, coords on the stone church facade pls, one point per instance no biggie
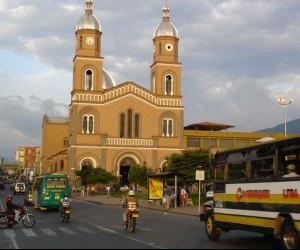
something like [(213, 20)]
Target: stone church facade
[(114, 126)]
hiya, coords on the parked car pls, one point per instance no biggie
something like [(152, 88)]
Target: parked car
[(19, 188), (76, 189), (28, 200), (124, 188), (2, 185)]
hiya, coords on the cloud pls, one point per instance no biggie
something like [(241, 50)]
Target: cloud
[(237, 57), (22, 121)]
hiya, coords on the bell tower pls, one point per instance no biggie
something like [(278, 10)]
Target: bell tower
[(88, 62), (166, 70)]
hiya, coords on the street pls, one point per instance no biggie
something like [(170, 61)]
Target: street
[(95, 226)]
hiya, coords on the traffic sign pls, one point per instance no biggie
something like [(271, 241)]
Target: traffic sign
[(200, 175)]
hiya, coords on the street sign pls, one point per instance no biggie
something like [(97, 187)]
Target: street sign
[(200, 175)]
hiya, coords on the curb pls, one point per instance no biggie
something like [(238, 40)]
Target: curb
[(142, 206)]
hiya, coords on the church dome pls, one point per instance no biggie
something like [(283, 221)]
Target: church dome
[(88, 21), (107, 81), (166, 28)]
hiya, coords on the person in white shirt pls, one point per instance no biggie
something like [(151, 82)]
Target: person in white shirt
[(292, 171)]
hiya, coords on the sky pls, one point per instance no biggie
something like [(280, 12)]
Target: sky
[(238, 57)]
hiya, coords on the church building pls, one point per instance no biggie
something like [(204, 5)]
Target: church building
[(114, 126)]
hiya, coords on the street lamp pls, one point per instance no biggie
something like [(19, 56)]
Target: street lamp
[(284, 103)]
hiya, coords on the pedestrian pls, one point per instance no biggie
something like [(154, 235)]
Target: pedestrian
[(183, 197), (107, 191), (88, 189), (168, 195), (93, 190), (178, 198), (82, 191), (188, 189)]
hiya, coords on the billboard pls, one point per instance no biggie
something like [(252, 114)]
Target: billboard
[(156, 188)]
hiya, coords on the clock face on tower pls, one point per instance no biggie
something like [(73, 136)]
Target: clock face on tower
[(90, 40), (169, 47)]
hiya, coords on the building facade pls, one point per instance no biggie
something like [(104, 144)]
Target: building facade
[(116, 126), (26, 158), (214, 136)]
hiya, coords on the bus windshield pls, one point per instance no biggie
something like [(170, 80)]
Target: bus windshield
[(56, 182)]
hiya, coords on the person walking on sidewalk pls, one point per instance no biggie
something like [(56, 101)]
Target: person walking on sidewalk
[(82, 191), (107, 191), (168, 194), (93, 190)]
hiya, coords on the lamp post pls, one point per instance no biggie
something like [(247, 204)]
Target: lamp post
[(284, 103)]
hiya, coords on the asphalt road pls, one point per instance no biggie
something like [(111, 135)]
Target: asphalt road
[(95, 226)]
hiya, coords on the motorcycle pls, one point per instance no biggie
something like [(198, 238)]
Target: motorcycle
[(65, 211), (132, 215), (28, 220)]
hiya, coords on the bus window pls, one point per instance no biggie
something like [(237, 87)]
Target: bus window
[(262, 168), (220, 173), (287, 155), (237, 171), (237, 166)]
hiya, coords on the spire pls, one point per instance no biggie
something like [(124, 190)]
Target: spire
[(89, 9), (166, 12)]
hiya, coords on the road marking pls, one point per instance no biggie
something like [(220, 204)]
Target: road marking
[(29, 233), (67, 231), (48, 232), (122, 235), (86, 230), (9, 233)]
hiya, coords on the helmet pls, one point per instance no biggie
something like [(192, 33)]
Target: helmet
[(9, 197), (131, 193), (66, 195)]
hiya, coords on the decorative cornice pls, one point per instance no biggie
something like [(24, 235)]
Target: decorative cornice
[(87, 59), (127, 148), (165, 64), (112, 95)]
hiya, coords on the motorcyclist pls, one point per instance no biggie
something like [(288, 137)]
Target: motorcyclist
[(130, 201), (11, 210), (65, 199)]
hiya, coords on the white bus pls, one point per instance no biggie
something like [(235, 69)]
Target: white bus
[(253, 193)]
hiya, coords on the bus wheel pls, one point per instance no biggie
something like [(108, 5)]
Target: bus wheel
[(212, 232), (289, 235)]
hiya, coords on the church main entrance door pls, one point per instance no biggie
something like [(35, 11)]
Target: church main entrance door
[(125, 165)]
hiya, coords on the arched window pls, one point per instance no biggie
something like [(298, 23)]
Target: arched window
[(137, 126), (160, 48), (62, 165), (80, 42), (88, 124), (153, 83), (129, 123), (98, 43), (122, 126), (168, 127), (88, 80), (169, 85)]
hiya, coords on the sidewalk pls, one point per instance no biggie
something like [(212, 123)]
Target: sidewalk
[(192, 210)]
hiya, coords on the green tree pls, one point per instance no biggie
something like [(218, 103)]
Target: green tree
[(186, 164), (138, 175), (101, 176), (84, 174)]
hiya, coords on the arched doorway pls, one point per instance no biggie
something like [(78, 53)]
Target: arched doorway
[(125, 165), (86, 164)]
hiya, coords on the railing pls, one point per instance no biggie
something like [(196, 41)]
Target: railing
[(129, 142)]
